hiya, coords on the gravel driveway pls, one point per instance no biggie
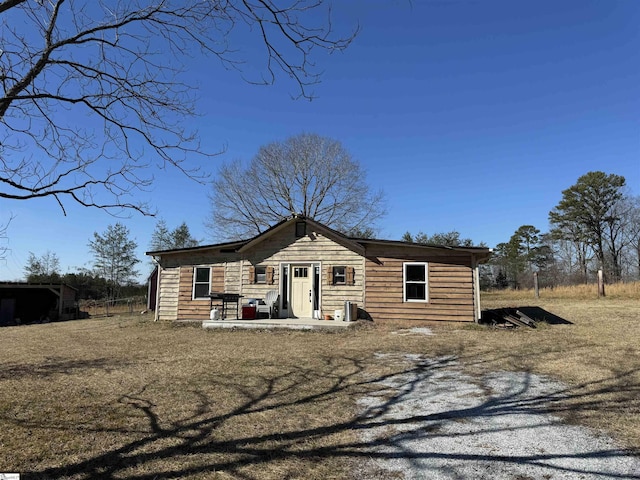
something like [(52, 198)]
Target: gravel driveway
[(437, 422)]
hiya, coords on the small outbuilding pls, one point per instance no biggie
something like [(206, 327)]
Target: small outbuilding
[(315, 270), (22, 303)]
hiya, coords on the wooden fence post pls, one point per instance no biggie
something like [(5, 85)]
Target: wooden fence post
[(536, 287), (600, 283)]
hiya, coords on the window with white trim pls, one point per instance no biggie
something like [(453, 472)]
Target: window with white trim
[(415, 277), (201, 282)]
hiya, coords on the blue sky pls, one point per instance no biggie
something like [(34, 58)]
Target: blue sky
[(470, 115)]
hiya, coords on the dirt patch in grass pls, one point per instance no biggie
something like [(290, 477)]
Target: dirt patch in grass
[(130, 398)]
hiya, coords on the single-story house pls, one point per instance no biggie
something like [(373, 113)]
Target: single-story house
[(23, 302), (316, 269)]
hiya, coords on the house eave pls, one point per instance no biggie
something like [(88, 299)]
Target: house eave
[(233, 246), (481, 254)]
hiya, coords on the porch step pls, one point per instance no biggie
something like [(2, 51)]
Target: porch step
[(290, 323)]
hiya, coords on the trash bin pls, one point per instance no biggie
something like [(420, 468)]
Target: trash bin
[(350, 311), (248, 312)]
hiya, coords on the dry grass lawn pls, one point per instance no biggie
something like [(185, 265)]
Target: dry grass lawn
[(124, 397)]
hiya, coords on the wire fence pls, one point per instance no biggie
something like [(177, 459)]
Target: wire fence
[(120, 306)]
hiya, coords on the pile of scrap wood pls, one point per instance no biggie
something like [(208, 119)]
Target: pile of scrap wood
[(507, 317)]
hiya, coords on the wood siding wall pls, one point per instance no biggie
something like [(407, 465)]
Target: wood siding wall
[(284, 247), (198, 309), (67, 297), (450, 287), (167, 308), (176, 283)]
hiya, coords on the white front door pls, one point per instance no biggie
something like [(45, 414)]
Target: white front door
[(301, 294)]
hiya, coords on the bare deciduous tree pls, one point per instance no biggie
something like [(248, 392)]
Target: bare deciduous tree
[(43, 268), (632, 232), (306, 174), (3, 238), (93, 94)]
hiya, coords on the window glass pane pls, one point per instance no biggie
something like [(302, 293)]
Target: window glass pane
[(300, 272), (339, 276), (416, 291), (285, 287), (201, 285), (202, 275), (415, 273), (201, 290), (316, 282), (261, 274)]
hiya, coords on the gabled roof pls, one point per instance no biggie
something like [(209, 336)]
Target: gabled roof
[(244, 245), (319, 227), (358, 245)]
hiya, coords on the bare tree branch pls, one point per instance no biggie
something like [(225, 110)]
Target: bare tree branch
[(306, 174), (93, 92), (3, 238)]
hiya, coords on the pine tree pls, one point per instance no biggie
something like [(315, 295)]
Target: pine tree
[(114, 257)]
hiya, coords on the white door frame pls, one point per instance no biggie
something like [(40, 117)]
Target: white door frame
[(285, 289)]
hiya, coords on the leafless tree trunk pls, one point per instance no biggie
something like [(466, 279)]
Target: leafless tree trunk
[(575, 256), (93, 94)]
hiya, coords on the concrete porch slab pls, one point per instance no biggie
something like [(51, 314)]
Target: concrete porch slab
[(291, 323)]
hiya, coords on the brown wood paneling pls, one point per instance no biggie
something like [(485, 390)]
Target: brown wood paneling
[(189, 309), (450, 286), (378, 279)]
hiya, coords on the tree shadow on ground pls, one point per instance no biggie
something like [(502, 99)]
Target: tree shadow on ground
[(386, 427), (55, 366)]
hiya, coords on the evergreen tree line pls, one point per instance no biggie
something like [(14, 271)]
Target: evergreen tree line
[(596, 225), (114, 272)]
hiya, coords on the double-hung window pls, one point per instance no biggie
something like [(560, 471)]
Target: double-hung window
[(201, 282), (339, 275), (261, 274), (416, 279)]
